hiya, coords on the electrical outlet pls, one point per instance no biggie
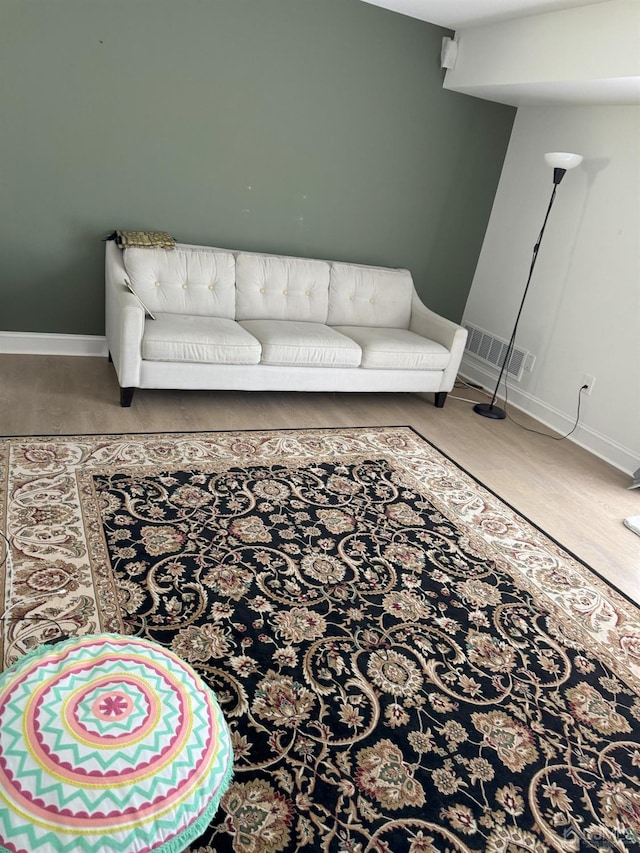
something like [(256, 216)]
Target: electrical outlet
[(589, 381)]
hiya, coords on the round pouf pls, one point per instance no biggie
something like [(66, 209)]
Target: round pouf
[(108, 743)]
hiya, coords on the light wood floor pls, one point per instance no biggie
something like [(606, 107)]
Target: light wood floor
[(572, 495)]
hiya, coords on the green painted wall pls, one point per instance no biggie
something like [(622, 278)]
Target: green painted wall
[(316, 128)]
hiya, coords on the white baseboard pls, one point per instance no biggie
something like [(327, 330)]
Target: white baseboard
[(595, 442), (35, 343)]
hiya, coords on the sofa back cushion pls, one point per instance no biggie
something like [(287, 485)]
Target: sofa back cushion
[(369, 296), (194, 281), (270, 287)]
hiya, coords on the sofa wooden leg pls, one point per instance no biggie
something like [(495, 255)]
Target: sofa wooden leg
[(126, 396), (441, 396)]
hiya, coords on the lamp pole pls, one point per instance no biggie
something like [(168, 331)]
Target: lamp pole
[(560, 161)]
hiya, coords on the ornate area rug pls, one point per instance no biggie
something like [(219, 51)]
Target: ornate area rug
[(406, 664)]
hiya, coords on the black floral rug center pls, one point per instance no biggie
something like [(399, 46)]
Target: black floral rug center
[(388, 686)]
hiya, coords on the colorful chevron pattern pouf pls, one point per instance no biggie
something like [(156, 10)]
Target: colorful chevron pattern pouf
[(108, 743)]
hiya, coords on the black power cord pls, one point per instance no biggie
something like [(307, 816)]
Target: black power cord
[(536, 431)]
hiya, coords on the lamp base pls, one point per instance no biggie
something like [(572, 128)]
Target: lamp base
[(487, 410)]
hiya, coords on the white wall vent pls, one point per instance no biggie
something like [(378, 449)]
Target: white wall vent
[(492, 350)]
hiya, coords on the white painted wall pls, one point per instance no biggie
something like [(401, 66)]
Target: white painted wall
[(585, 54), (588, 42), (582, 313)]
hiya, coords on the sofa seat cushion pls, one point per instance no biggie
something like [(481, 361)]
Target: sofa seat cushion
[(188, 337), (396, 349), (295, 343)]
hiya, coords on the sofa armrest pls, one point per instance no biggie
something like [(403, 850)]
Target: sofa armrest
[(124, 321), (445, 332)]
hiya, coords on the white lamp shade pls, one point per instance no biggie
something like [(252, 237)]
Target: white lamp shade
[(563, 160)]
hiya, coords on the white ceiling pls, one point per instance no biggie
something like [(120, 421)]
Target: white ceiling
[(456, 14)]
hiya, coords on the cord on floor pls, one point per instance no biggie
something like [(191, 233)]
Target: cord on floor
[(546, 434), (517, 423), (473, 386)]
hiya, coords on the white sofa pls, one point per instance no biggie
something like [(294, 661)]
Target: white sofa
[(245, 321)]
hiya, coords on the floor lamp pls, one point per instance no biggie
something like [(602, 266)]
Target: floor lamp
[(560, 161)]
